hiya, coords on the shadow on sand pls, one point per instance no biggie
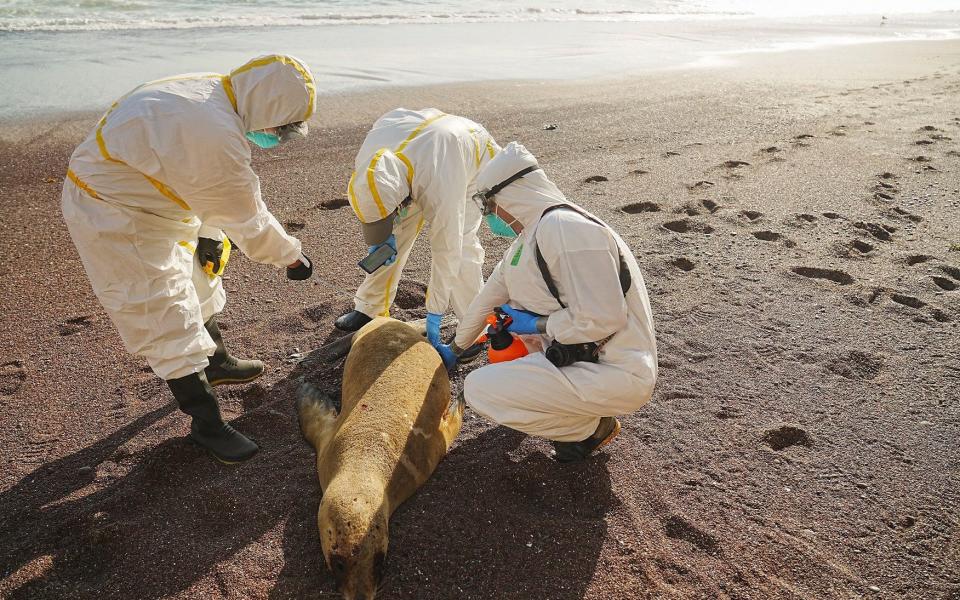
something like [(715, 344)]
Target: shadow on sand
[(498, 519)]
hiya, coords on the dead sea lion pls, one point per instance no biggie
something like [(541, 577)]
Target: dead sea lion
[(396, 422)]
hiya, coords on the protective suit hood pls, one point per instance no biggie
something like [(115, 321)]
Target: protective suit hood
[(527, 197), (272, 90)]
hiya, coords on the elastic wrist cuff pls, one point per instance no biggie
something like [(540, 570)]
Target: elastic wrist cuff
[(541, 324)]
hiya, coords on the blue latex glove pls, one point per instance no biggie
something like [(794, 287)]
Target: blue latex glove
[(390, 241), (524, 322), (433, 329), (449, 358)]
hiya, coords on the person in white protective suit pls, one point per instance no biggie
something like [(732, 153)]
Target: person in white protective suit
[(416, 167), (591, 340), (161, 178)]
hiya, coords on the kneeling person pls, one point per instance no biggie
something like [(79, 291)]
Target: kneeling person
[(576, 295)]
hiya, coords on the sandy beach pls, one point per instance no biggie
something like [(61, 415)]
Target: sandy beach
[(797, 219)]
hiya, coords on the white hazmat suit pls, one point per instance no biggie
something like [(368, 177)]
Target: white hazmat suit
[(530, 394), (433, 158), (166, 164)]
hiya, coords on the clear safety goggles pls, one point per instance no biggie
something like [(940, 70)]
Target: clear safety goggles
[(292, 131), (484, 199)]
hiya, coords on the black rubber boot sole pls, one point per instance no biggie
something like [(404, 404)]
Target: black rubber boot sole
[(352, 321), (471, 354), (227, 459), (567, 452)]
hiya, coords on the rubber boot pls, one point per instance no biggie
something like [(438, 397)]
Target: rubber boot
[(225, 369), (196, 398), (566, 452), (352, 321)]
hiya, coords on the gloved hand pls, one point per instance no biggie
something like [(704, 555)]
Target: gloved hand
[(209, 252), (300, 270), (524, 322), (390, 241), (446, 353), (433, 329)]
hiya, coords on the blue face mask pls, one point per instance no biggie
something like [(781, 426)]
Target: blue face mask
[(263, 139), (499, 227)]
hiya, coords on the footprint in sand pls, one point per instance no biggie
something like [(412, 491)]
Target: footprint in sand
[(921, 159), (940, 137), (333, 204), (887, 175), (806, 218), (678, 528), (906, 300), (881, 232), (888, 186), (771, 150), (832, 215), (690, 209), (734, 164), (75, 325), (899, 212), (12, 376), (928, 128), (784, 436), (639, 172), (838, 277), (943, 283), (670, 153), (710, 205), (861, 248), (882, 196), (640, 207), (953, 153), (751, 215), (687, 226), (294, 225), (773, 236), (917, 259), (700, 185), (682, 263), (856, 365), (953, 272), (595, 179), (923, 142)]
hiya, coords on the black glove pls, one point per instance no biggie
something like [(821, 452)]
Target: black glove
[(303, 271), (209, 251)]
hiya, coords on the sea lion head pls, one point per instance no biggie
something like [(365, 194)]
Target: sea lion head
[(354, 536)]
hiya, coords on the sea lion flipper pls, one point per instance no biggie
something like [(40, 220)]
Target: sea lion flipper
[(317, 414)]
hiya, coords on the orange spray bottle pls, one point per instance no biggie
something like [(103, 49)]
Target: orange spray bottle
[(504, 345)]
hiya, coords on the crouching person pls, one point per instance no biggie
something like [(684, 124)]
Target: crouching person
[(575, 294)]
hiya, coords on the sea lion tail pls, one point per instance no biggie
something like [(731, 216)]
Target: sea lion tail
[(317, 414)]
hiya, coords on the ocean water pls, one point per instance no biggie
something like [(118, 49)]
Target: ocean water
[(86, 15), (77, 55)]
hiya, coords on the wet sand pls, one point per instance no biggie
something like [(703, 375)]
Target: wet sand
[(793, 215)]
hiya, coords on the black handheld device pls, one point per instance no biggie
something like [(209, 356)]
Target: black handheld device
[(376, 260)]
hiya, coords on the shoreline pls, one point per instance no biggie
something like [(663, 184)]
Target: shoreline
[(736, 63), (98, 67)]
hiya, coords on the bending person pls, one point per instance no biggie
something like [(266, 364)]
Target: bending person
[(572, 288), (416, 167), (159, 180)]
